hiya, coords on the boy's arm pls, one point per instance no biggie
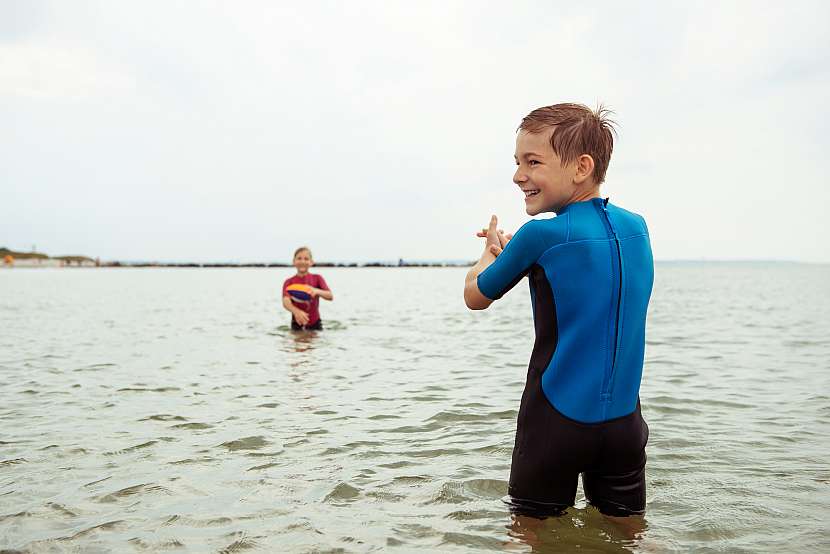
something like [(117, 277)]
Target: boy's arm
[(473, 297), (504, 262), (493, 246), (298, 314)]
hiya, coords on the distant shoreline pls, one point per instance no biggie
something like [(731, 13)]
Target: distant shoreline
[(356, 265), (287, 265)]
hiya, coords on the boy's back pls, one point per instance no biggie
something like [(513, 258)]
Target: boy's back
[(591, 273)]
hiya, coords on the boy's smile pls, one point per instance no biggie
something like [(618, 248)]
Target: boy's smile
[(546, 184)]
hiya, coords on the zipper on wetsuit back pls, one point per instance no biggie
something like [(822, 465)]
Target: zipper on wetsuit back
[(610, 378)]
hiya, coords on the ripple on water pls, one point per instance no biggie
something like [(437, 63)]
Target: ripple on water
[(472, 515), (131, 448), (13, 461), (263, 466), (452, 416), (468, 540), (188, 461), (147, 389), (167, 544), (342, 492), (455, 492), (163, 417), (143, 488), (197, 522), (15, 515), (239, 544), (118, 524), (255, 442), (194, 426)]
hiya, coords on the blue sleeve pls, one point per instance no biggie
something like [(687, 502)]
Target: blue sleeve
[(513, 263)]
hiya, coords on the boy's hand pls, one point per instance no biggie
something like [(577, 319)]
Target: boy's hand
[(496, 239), (301, 317)]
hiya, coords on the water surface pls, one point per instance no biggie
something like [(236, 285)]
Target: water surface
[(154, 409)]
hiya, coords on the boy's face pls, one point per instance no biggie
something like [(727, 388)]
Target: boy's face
[(303, 261), (546, 184)]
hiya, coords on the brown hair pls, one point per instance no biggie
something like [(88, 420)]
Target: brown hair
[(303, 249), (577, 130)]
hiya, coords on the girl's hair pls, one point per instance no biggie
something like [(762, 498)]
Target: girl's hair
[(303, 249)]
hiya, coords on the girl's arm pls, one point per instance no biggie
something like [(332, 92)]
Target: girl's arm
[(300, 316), (326, 294)]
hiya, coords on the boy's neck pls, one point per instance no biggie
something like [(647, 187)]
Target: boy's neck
[(584, 195), (301, 273)]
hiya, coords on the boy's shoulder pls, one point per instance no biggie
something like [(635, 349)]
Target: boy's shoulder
[(632, 223), (544, 232)]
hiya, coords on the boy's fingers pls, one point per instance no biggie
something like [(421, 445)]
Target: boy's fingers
[(492, 230), (495, 250)]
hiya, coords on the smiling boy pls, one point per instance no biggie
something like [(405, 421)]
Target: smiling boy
[(591, 271)]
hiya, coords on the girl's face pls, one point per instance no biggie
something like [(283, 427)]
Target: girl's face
[(303, 261)]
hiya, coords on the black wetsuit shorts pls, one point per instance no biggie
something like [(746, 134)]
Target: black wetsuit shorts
[(552, 450)]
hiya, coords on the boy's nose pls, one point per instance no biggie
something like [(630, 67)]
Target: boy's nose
[(519, 177)]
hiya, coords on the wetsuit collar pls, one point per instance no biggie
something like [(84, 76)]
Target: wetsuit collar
[(598, 202)]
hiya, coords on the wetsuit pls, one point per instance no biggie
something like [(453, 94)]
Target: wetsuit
[(591, 272)]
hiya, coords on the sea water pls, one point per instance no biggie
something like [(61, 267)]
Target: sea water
[(154, 409)]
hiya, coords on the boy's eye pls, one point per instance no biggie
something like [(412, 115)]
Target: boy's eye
[(533, 162)]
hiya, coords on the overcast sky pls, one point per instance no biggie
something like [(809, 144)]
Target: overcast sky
[(207, 131)]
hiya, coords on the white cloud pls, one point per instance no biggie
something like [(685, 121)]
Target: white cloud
[(51, 72)]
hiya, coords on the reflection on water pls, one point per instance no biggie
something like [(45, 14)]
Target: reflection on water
[(584, 529), (156, 409)]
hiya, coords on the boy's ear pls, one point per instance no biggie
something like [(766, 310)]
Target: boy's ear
[(584, 169)]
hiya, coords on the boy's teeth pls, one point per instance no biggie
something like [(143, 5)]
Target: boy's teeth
[(531, 192)]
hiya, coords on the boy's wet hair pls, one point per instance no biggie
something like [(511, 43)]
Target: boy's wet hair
[(577, 130), (302, 249)]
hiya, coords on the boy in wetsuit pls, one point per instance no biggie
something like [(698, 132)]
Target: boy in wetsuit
[(305, 315), (591, 271)]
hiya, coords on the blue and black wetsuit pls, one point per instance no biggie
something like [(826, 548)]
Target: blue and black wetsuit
[(591, 272)]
